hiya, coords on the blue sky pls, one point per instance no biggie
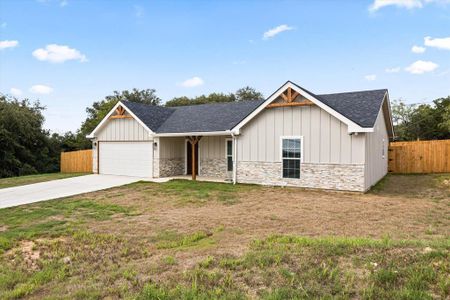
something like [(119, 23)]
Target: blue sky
[(71, 53)]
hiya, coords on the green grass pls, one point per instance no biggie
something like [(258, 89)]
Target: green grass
[(200, 192), (290, 267), (51, 218), (29, 179), (173, 240)]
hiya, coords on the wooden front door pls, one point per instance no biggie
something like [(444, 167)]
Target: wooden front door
[(189, 158)]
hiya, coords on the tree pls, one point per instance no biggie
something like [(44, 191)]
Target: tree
[(423, 122), (101, 108), (248, 93), (245, 93), (26, 148)]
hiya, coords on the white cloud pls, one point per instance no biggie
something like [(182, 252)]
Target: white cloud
[(392, 70), (440, 43), (409, 4), (41, 89), (420, 67), (8, 44), (274, 31), (418, 49), (58, 54), (192, 82), (15, 92), (370, 77)]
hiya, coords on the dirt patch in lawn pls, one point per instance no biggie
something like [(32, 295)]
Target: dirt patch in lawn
[(261, 211)]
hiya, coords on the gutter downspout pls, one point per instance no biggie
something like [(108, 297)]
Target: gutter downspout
[(234, 158)]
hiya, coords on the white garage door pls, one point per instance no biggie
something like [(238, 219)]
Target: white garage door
[(126, 158)]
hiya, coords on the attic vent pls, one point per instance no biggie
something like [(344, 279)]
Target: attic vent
[(288, 99)]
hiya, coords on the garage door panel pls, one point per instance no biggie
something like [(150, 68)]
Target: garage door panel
[(126, 158)]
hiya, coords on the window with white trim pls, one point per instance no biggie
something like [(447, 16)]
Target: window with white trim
[(291, 156)]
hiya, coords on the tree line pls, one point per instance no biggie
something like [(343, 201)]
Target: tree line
[(28, 148)]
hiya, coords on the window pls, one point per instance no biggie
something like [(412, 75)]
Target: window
[(291, 156), (229, 155)]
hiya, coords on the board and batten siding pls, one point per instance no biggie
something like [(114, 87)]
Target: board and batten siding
[(377, 144), (212, 147), (171, 147), (123, 130), (325, 138)]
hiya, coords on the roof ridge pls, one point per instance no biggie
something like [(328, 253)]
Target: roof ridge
[(349, 92), (214, 103)]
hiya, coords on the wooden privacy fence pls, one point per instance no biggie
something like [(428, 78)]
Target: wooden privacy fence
[(76, 161), (419, 157)]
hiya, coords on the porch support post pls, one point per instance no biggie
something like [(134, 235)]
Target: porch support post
[(194, 141)]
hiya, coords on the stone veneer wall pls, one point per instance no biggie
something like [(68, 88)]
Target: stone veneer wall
[(214, 167), (346, 177), (166, 167)]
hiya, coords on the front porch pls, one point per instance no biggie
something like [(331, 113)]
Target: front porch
[(206, 158)]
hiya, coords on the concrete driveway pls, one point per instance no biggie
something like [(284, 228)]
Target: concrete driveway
[(42, 191)]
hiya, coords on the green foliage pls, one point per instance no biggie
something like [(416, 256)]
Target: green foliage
[(248, 93), (243, 94), (26, 148), (424, 121)]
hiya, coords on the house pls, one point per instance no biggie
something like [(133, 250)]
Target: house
[(293, 138)]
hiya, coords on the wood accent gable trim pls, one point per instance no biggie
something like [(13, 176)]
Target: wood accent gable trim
[(303, 103), (289, 96), (121, 117)]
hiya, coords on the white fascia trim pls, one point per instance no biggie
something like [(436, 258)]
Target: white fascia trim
[(208, 133), (92, 134), (390, 112), (352, 126)]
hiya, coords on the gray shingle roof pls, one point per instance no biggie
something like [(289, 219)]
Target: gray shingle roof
[(361, 107), (193, 118), (152, 116), (208, 117)]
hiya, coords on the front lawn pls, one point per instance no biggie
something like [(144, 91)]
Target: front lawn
[(29, 179), (199, 240)]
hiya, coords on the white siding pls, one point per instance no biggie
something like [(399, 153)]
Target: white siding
[(123, 130), (325, 138), (211, 147), (376, 164), (171, 147)]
